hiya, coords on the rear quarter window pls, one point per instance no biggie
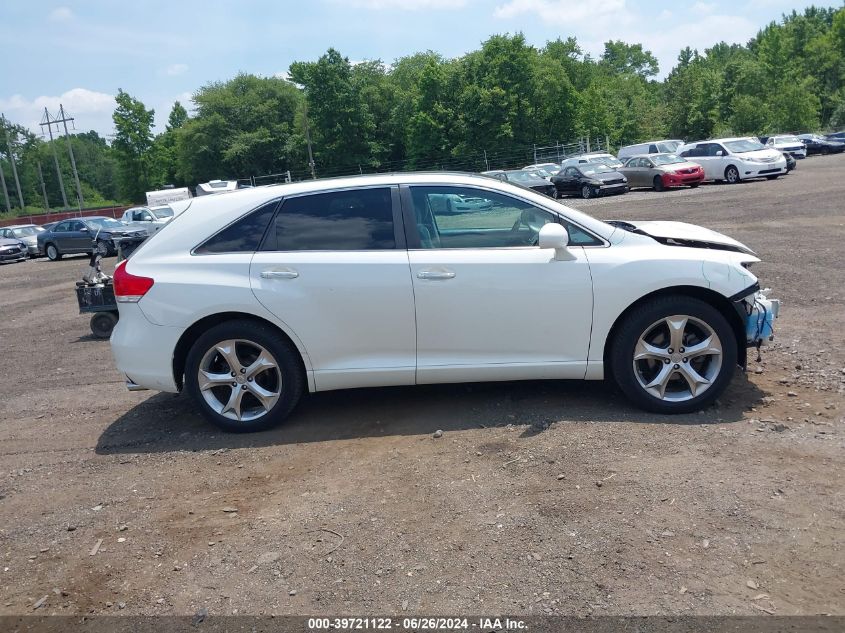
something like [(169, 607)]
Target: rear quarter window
[(242, 236)]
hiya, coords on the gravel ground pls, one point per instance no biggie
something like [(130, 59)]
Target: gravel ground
[(540, 497)]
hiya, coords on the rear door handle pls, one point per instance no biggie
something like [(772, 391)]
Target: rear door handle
[(435, 274), (279, 274)]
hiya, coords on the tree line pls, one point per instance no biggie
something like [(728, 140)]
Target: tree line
[(425, 111)]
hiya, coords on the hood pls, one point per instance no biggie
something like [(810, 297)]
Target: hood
[(678, 166), (605, 176), (766, 155), (683, 234), (10, 241)]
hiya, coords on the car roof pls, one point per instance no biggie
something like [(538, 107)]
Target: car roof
[(17, 226)]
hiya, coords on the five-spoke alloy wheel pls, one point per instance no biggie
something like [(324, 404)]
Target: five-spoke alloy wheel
[(244, 375), (673, 354)]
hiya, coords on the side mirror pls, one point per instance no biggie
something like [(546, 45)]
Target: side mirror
[(720, 153), (84, 229), (555, 236)]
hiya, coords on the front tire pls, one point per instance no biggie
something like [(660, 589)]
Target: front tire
[(673, 355), (658, 184), (53, 253), (731, 175), (244, 376), (694, 185), (587, 192)]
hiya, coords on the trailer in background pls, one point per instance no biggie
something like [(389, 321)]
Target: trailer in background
[(166, 196)]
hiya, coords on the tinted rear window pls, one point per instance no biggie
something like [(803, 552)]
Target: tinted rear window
[(243, 236), (352, 220)]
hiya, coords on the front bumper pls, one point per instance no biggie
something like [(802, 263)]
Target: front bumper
[(757, 170), (606, 190), (13, 255), (682, 180)]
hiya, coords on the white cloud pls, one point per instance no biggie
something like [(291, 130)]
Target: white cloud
[(406, 5), (176, 69), (92, 110), (562, 12), (703, 8), (61, 14)]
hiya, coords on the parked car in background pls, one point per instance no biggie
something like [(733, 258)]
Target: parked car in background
[(593, 157), (26, 233), (216, 186), (787, 144), (151, 219), (660, 171), (77, 235), (839, 137), (791, 163), (666, 146), (589, 180), (544, 170), (735, 159), (12, 250), (312, 292), (818, 144), (523, 179)]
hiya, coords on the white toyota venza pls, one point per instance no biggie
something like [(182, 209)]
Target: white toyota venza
[(248, 299)]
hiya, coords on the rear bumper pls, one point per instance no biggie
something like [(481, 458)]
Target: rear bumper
[(143, 352)]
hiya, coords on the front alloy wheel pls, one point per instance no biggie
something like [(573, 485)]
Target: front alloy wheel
[(677, 358), (586, 192), (53, 253), (244, 375), (673, 354), (732, 175)]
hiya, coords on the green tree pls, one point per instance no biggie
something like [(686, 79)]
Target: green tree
[(132, 143)]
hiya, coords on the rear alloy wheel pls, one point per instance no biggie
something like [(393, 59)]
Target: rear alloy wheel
[(732, 175), (587, 192), (673, 355), (53, 253), (658, 184), (244, 375)]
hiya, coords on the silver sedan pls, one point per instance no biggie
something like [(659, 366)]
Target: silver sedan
[(661, 171)]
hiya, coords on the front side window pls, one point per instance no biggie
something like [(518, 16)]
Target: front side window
[(495, 220), (242, 236), (61, 227), (350, 220)]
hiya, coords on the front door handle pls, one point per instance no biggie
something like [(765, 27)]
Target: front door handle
[(435, 274), (279, 274)]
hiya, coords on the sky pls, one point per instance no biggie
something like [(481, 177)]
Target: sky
[(79, 53)]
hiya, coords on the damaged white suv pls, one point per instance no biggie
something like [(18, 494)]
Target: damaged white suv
[(249, 299)]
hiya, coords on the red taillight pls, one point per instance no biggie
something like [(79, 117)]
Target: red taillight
[(129, 288)]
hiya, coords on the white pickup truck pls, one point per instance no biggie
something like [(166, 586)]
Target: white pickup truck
[(149, 218)]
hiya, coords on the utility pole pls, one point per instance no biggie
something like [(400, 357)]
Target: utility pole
[(5, 191), (64, 119), (46, 120), (308, 139), (12, 159), (43, 188), (486, 163)]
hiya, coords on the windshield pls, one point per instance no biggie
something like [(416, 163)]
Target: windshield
[(667, 159), (103, 223), (606, 160), (163, 212), (787, 139), (669, 146), (742, 146), (25, 231), (597, 168), (521, 176)]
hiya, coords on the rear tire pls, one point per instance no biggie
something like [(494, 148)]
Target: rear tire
[(268, 394), (647, 332), (53, 253)]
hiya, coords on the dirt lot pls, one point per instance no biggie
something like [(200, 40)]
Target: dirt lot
[(540, 497)]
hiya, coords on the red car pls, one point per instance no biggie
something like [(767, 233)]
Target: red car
[(660, 171)]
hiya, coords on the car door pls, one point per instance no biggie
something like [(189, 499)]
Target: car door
[(638, 172), (569, 180), (647, 172), (701, 155), (490, 304), (334, 268), (77, 238)]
